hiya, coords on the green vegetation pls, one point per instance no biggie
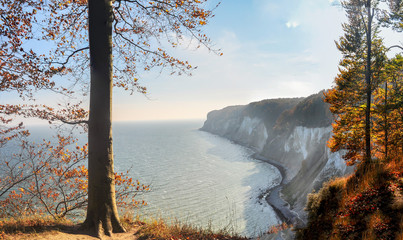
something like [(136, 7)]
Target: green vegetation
[(367, 104), (309, 112), (271, 109), (47, 180)]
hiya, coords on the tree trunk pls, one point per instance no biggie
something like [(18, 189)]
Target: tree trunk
[(102, 210), (386, 121), (368, 87)]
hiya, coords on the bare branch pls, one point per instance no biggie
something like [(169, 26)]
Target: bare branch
[(71, 55), (74, 122), (395, 46)]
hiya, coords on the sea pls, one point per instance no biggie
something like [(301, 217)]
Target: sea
[(195, 177)]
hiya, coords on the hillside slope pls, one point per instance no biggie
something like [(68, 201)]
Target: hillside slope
[(365, 205)]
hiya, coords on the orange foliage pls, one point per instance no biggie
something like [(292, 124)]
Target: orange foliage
[(365, 205), (51, 179)]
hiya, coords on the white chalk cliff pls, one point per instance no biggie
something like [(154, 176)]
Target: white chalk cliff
[(293, 132)]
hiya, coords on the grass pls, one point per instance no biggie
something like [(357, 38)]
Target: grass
[(151, 229), (158, 229), (32, 224)]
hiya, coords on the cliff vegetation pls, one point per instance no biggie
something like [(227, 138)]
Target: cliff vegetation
[(368, 117), (365, 205)]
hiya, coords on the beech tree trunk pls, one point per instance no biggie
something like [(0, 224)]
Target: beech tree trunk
[(102, 210)]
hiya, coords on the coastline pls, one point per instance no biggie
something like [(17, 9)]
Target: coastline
[(272, 195), (273, 198)]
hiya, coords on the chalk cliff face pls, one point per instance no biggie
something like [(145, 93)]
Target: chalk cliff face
[(293, 132)]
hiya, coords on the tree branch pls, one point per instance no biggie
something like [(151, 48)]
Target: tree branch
[(72, 54), (74, 122), (395, 46)]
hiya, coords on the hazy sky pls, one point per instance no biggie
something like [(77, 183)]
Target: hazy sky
[(271, 48)]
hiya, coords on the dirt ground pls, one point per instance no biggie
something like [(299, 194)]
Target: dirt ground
[(70, 234)]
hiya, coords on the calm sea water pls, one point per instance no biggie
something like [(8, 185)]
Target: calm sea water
[(195, 177)]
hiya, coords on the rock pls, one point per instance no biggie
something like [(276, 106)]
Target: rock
[(292, 132)]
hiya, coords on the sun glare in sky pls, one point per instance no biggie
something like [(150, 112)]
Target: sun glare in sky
[(271, 49)]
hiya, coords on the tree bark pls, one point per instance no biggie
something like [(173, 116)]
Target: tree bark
[(368, 86), (102, 210), (386, 121)]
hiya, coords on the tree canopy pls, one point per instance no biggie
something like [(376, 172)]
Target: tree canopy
[(362, 96), (110, 42)]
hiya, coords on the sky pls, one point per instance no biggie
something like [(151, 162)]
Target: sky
[(272, 49)]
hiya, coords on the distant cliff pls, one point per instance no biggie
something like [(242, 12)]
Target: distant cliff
[(291, 131)]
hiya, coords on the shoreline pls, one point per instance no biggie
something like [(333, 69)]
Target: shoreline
[(272, 195), (273, 198)]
